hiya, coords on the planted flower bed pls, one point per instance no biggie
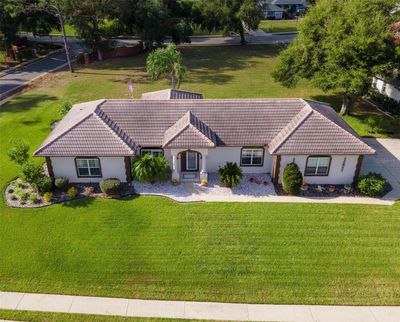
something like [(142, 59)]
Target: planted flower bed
[(20, 194)]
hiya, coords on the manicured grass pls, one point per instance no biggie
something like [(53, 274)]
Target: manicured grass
[(279, 25), (153, 248), (65, 317)]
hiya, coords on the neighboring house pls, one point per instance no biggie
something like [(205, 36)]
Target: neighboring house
[(388, 88), (170, 94), (293, 7), (273, 12), (96, 140)]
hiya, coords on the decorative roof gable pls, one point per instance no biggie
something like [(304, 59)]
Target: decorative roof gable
[(189, 131)]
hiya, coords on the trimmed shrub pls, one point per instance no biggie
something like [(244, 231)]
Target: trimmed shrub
[(48, 196), (230, 174), (33, 199), (61, 183), (111, 186), (32, 172), (371, 184), (44, 184), (19, 152), (64, 108), (292, 179), (72, 192)]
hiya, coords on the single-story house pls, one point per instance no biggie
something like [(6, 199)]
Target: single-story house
[(97, 140), (273, 12), (388, 88), (294, 7)]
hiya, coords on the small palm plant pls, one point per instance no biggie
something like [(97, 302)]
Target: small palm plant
[(149, 169), (166, 61), (230, 175)]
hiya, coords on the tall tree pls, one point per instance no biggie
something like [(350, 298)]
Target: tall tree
[(231, 15), (166, 61), (8, 24), (89, 19), (342, 45)]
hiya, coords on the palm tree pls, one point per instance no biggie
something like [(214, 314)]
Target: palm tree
[(149, 168), (166, 61)]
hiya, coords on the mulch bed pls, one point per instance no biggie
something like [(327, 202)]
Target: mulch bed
[(323, 191)]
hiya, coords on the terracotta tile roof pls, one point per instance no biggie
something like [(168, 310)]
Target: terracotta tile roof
[(190, 132), (319, 130), (286, 126), (84, 133), (170, 94)]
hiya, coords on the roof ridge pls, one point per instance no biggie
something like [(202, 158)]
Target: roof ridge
[(307, 110), (114, 128), (355, 136), (41, 148)]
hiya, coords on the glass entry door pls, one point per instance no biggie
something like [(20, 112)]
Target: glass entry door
[(191, 161)]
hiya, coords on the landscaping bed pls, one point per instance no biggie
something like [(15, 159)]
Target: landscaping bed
[(329, 191), (19, 194)]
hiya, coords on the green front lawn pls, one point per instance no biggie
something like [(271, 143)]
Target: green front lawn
[(153, 248), (279, 25), (68, 317)]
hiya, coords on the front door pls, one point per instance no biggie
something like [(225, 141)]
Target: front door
[(190, 161)]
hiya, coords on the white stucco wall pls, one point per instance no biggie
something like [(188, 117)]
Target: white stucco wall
[(336, 174), (389, 91), (217, 157), (111, 167)]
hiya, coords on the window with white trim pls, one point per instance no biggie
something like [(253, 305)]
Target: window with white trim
[(154, 151), (318, 166), (88, 167), (252, 157)]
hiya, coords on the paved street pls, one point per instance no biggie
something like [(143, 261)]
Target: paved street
[(197, 310)]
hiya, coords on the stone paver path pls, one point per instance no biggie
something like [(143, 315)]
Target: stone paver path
[(196, 310)]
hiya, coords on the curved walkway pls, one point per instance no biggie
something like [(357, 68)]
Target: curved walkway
[(196, 310)]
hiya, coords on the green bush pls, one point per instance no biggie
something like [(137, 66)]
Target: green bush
[(34, 199), (230, 174), (292, 179), (371, 184), (111, 186), (32, 172), (150, 169), (19, 152), (23, 195), (44, 184), (61, 183), (72, 192), (48, 196), (64, 108)]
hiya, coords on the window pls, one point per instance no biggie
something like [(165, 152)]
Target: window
[(318, 166), (155, 152), (252, 157), (88, 167)]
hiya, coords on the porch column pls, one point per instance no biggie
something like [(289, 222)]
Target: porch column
[(175, 173), (203, 172)]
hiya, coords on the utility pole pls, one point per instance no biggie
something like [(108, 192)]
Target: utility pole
[(66, 47)]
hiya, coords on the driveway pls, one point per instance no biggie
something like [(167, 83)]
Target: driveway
[(386, 161)]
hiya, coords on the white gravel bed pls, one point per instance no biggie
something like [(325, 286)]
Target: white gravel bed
[(191, 192)]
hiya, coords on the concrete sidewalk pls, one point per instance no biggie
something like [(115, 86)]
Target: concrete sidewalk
[(196, 310)]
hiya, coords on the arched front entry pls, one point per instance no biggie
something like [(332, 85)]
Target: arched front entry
[(189, 164), (189, 161)]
